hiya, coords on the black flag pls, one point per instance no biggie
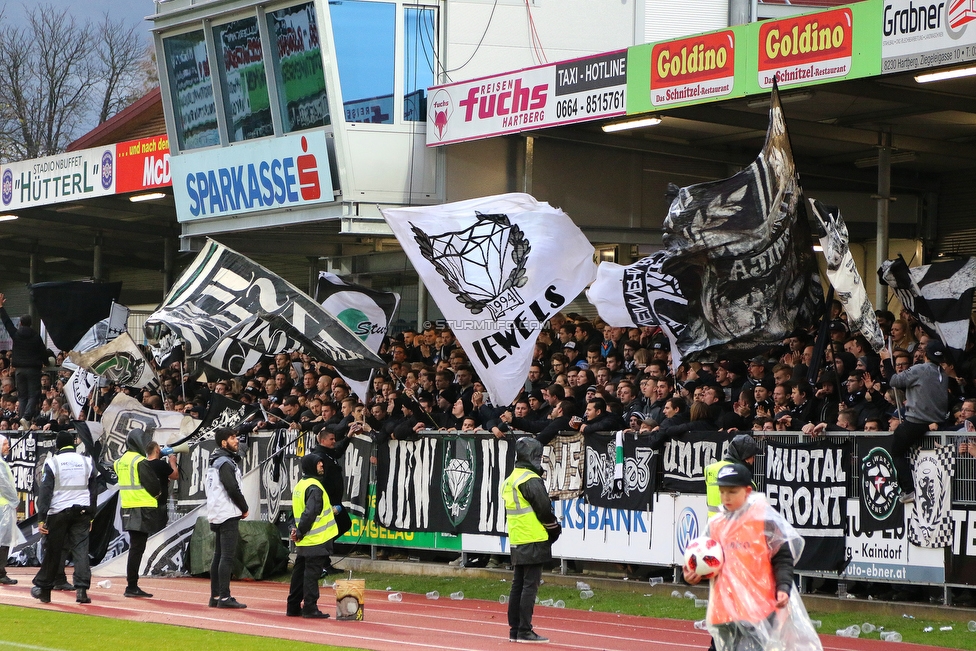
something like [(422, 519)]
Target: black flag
[(70, 309)]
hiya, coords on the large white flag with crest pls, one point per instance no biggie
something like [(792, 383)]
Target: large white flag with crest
[(498, 268)]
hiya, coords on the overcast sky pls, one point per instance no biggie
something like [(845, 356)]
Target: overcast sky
[(132, 11)]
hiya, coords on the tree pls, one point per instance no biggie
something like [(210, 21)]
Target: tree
[(59, 78)]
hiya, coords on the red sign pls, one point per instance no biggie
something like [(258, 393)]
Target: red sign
[(142, 164), (806, 48), (693, 68)]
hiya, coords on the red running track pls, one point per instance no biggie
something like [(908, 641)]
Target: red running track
[(413, 624)]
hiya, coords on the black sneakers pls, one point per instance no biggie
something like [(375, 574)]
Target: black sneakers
[(64, 587), (82, 596), (532, 638), (315, 614), (136, 592), (6, 580), (41, 594), (230, 602)]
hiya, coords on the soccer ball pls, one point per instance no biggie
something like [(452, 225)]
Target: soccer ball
[(704, 557)]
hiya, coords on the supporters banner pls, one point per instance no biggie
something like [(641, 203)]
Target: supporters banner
[(70, 309), (126, 414), (78, 389), (443, 483), (961, 556), (221, 412), (685, 457), (119, 361), (231, 313), (848, 286), (807, 484), (23, 459), (356, 469), (562, 466), (367, 312), (640, 295), (498, 268), (634, 491), (743, 257), (939, 296), (930, 515), (880, 508)]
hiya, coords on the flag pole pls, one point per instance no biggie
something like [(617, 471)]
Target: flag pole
[(891, 355), (820, 346)]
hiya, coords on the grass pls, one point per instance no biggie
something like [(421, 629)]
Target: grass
[(631, 598), (39, 630)]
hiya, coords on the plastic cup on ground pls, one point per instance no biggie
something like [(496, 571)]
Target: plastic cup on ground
[(701, 603), (582, 586), (868, 627), (546, 602), (945, 628), (701, 625), (971, 626), (457, 596), (395, 597), (559, 604), (586, 594), (656, 580), (104, 584), (816, 623), (891, 636), (433, 595), (676, 594), (503, 599), (690, 595)]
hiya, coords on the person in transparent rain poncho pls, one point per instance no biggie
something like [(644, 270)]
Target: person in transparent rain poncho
[(10, 535), (752, 602)]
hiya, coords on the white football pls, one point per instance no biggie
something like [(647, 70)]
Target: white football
[(704, 557)]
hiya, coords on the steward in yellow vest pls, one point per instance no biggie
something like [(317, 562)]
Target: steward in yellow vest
[(315, 529), (139, 493), (532, 528)]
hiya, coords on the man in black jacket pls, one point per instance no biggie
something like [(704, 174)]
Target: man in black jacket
[(598, 418), (532, 528), (226, 507), (333, 480), (29, 356)]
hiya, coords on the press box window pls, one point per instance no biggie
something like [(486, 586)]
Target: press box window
[(364, 34), (242, 80), (192, 90), (297, 64), (419, 37)]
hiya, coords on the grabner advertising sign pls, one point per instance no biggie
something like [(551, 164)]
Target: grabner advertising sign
[(919, 34), (807, 48), (57, 179), (533, 98), (276, 173)]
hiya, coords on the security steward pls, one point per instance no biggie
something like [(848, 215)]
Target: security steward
[(315, 529), (139, 491), (742, 449), (334, 480), (65, 509), (532, 528)]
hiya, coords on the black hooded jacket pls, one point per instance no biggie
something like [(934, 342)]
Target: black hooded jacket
[(142, 518), (528, 454)]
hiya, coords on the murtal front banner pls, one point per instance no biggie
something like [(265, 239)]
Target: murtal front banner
[(533, 98)]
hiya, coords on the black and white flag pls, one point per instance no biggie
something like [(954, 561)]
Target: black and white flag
[(119, 361), (930, 519), (498, 268), (449, 484), (79, 387), (639, 472), (939, 296), (125, 414), (355, 469), (367, 312), (562, 466), (807, 484), (221, 412), (743, 256), (685, 457), (231, 312), (848, 286)]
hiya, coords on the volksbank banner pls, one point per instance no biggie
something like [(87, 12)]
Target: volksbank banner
[(276, 173)]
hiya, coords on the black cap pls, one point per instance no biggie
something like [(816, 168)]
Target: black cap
[(935, 350), (838, 326), (734, 474), (569, 344)]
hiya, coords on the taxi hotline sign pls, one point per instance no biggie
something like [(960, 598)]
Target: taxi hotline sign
[(805, 49), (695, 68)]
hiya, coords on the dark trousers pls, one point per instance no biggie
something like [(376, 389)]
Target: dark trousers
[(137, 547), (28, 391), (67, 530), (905, 437), (305, 583), (521, 600), (4, 553), (225, 548)]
